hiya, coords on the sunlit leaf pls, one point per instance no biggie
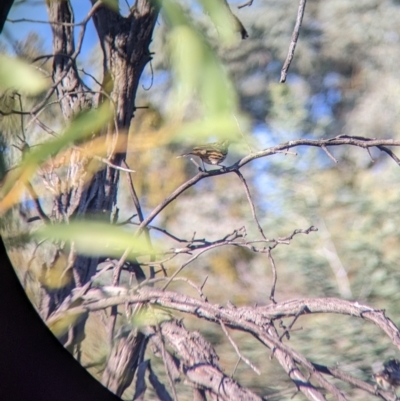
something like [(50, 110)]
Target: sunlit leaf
[(222, 17), (198, 74), (17, 74), (173, 13), (214, 128), (84, 124), (95, 238)]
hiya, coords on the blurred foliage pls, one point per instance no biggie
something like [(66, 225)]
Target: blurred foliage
[(85, 124), (343, 80), (96, 238), (17, 74)]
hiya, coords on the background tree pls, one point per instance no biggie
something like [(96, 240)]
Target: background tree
[(328, 95)]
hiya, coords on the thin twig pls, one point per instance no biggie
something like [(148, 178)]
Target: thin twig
[(36, 21), (152, 78), (236, 366), (204, 283), (22, 117), (247, 4), (136, 202), (274, 276), (168, 234), (133, 193), (324, 148), (188, 262), (253, 209), (161, 279), (293, 43), (287, 330), (236, 348), (370, 155)]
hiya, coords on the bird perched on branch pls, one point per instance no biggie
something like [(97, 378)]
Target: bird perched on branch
[(389, 377), (210, 153)]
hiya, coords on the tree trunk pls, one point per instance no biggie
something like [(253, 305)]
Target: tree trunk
[(125, 43)]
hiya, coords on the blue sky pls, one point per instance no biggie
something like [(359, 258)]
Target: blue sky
[(36, 10)]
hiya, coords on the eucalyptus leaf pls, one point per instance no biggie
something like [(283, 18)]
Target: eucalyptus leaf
[(95, 238), (19, 75)]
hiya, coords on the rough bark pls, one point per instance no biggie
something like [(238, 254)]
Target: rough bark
[(199, 364), (125, 44), (71, 92), (122, 363)]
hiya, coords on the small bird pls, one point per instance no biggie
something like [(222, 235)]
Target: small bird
[(389, 377), (210, 153)]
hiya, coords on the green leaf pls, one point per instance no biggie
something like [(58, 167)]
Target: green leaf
[(223, 19), (216, 127), (17, 74), (198, 74), (86, 123), (95, 238)]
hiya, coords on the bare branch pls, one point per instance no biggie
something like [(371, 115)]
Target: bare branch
[(337, 141), (293, 43), (36, 21), (259, 322), (361, 142), (247, 4), (236, 317), (190, 261)]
